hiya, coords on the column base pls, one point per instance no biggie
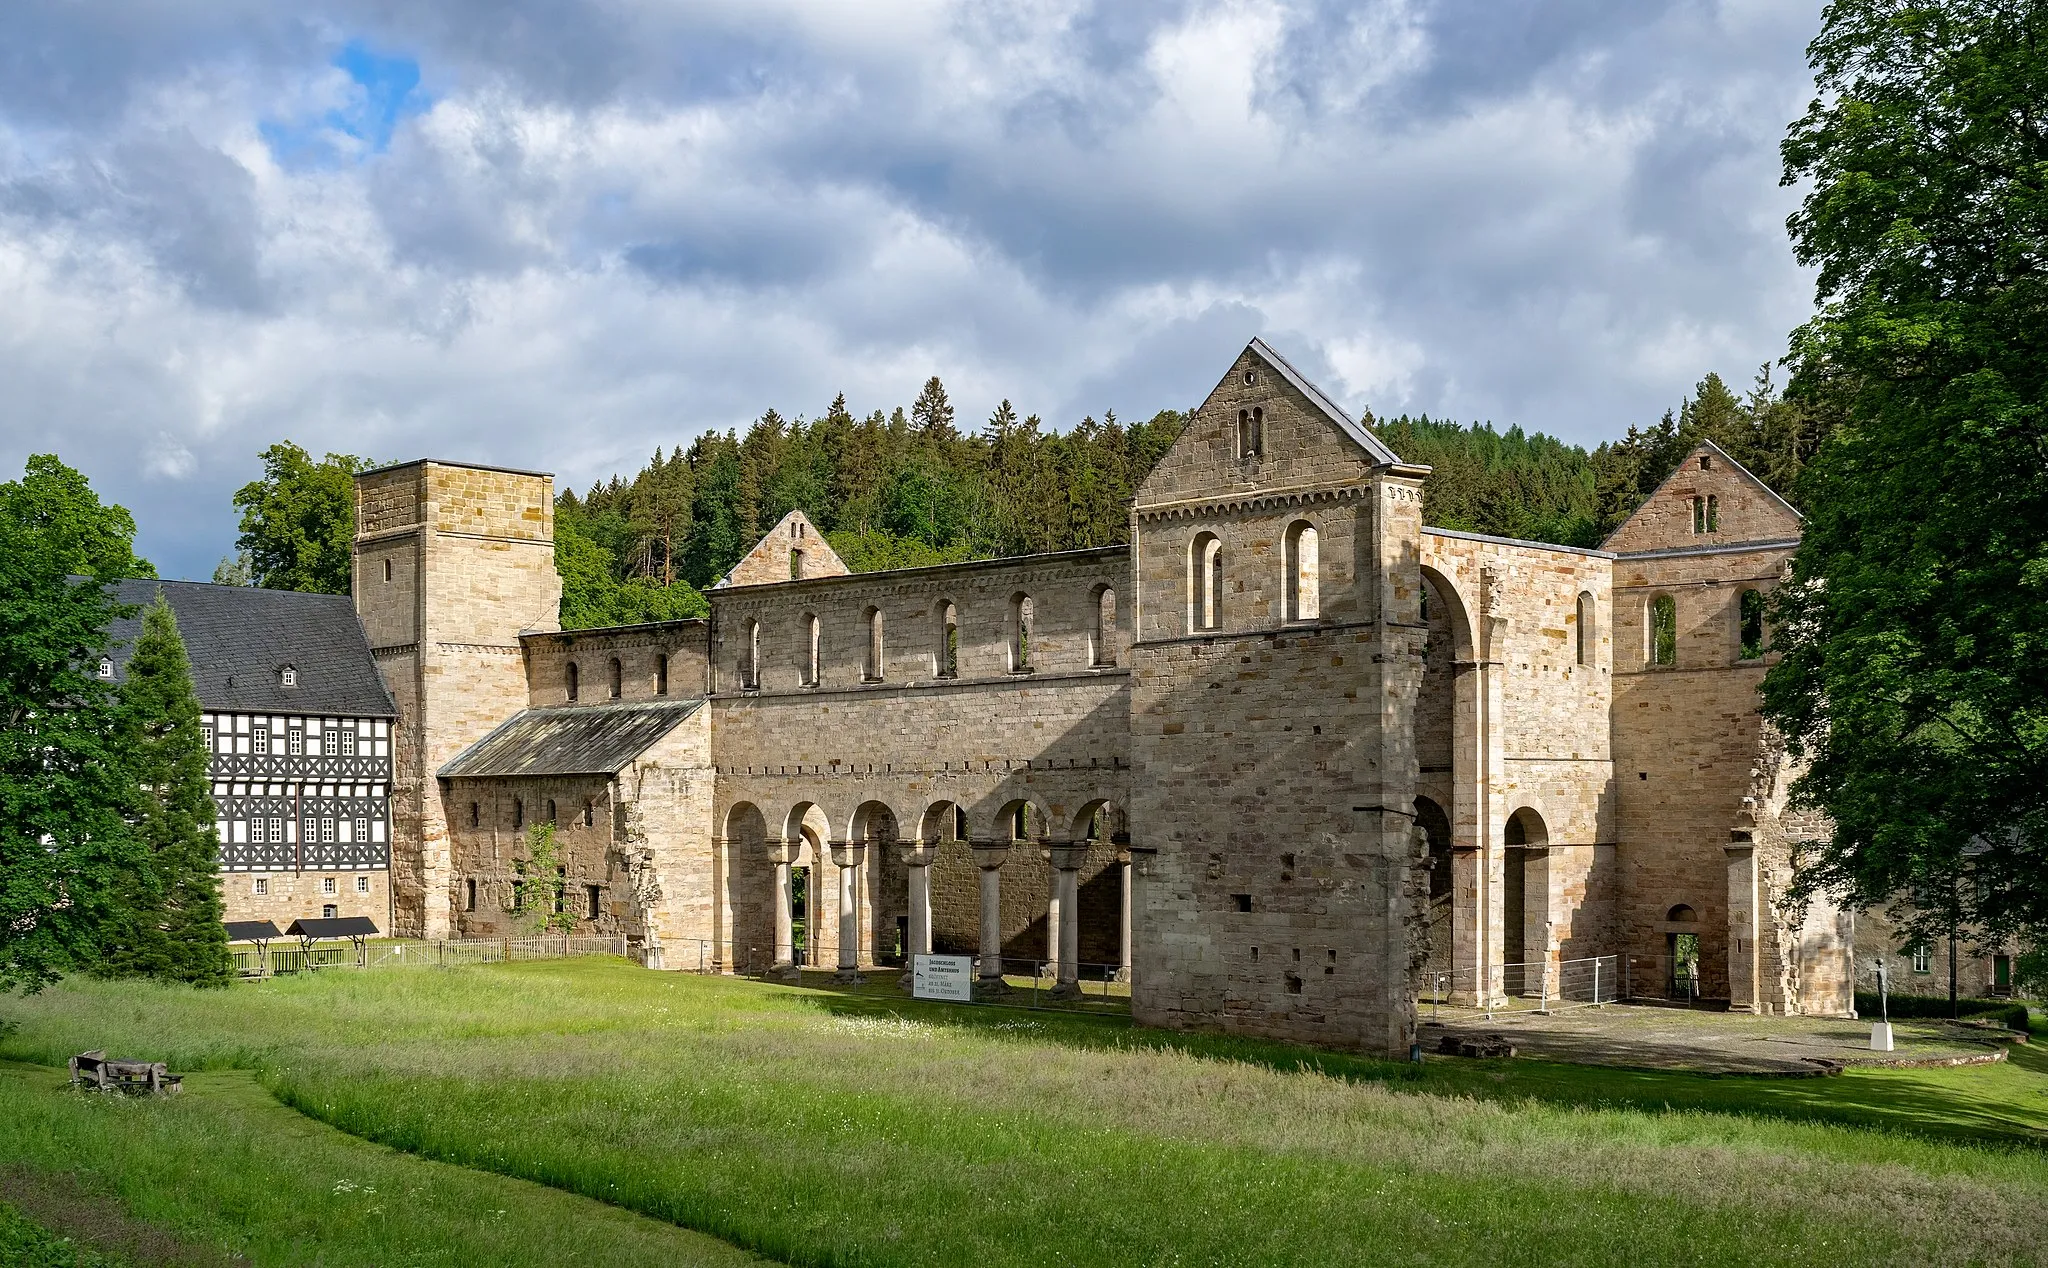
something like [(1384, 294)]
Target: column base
[(990, 988), (1065, 990), (849, 977), (787, 971)]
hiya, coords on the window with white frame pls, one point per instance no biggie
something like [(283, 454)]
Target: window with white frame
[(348, 741), (327, 831), (296, 742), (327, 885), (260, 740), (106, 668), (261, 887), (276, 830), (288, 676), (362, 884), (1923, 958), (362, 829)]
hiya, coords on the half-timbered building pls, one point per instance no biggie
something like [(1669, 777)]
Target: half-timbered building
[(298, 727)]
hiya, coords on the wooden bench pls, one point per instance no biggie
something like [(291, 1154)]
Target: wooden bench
[(94, 1070)]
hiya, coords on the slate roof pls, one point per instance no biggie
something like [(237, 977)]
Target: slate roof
[(240, 637), (573, 740), (333, 927), (1345, 423)]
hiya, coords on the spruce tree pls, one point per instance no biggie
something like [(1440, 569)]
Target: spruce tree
[(178, 936)]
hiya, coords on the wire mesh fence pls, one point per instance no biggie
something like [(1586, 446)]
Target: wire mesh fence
[(1532, 986)]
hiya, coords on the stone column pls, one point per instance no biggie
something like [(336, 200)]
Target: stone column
[(989, 858), (1066, 859), (1123, 860), (782, 854), (1744, 976), (918, 857), (846, 856)]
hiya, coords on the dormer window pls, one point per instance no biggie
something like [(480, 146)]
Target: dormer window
[(288, 677), (106, 667)]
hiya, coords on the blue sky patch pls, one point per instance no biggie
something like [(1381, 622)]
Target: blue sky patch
[(386, 91)]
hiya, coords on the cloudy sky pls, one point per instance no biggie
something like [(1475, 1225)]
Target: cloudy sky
[(558, 235)]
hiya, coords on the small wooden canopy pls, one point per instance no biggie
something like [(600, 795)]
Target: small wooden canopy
[(252, 931), (332, 927)]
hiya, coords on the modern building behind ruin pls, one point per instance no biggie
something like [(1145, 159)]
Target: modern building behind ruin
[(1287, 758)]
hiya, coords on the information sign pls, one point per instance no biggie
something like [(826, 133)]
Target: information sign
[(943, 977)]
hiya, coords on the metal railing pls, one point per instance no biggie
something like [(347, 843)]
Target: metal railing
[(1531, 986)]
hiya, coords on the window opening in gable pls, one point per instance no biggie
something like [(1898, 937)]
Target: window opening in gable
[(796, 565), (1713, 512), (1699, 515)]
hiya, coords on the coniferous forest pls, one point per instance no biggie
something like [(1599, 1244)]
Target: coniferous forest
[(916, 487)]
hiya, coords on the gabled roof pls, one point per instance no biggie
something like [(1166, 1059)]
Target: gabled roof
[(1345, 423), (240, 639), (1708, 446), (571, 740)]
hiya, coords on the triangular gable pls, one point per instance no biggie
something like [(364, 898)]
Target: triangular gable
[(1718, 502), (794, 550), (1307, 438)]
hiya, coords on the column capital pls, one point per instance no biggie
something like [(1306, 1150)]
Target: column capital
[(989, 855), (1067, 856), (849, 853), (781, 851), (919, 853)]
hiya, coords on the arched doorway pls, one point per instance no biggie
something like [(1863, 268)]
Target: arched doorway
[(1435, 826), (1525, 903), (813, 918)]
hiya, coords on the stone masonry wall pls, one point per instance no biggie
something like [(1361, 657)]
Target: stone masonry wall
[(794, 550), (639, 649), (296, 895)]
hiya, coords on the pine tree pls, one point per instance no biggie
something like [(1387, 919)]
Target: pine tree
[(932, 414), (174, 929)]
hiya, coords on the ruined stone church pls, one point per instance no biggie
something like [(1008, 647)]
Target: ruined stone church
[(1279, 762)]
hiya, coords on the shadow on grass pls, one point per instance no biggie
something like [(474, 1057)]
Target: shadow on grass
[(2004, 1104)]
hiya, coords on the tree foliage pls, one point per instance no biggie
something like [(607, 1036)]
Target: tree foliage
[(55, 506), (66, 853), (172, 927), (298, 521), (1915, 634)]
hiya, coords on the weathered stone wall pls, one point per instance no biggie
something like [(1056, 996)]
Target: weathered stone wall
[(1273, 768), (481, 544), (671, 654), (1051, 735), (297, 895), (488, 850)]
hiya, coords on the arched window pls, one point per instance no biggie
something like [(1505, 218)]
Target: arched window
[(1699, 515), (872, 670), (1713, 512), (475, 813), (518, 814), (661, 674), (573, 681), (796, 562), (1752, 613), (1100, 649), (1585, 631), (809, 664), (1662, 629), (1304, 573), (750, 656), (946, 642), (1251, 433), (551, 810), (615, 678), (589, 812), (1205, 582), (1020, 633), (387, 577)]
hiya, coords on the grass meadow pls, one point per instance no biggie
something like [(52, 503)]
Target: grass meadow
[(589, 1112)]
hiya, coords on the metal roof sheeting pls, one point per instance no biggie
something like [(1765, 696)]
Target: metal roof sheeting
[(572, 740)]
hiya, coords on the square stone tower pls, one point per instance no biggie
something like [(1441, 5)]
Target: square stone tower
[(1276, 553), (453, 562)]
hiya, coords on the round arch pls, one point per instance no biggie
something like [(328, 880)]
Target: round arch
[(1100, 820), (874, 822), (1456, 612), (1020, 812), (942, 821)]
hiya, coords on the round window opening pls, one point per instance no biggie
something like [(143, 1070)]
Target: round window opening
[(1251, 376)]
